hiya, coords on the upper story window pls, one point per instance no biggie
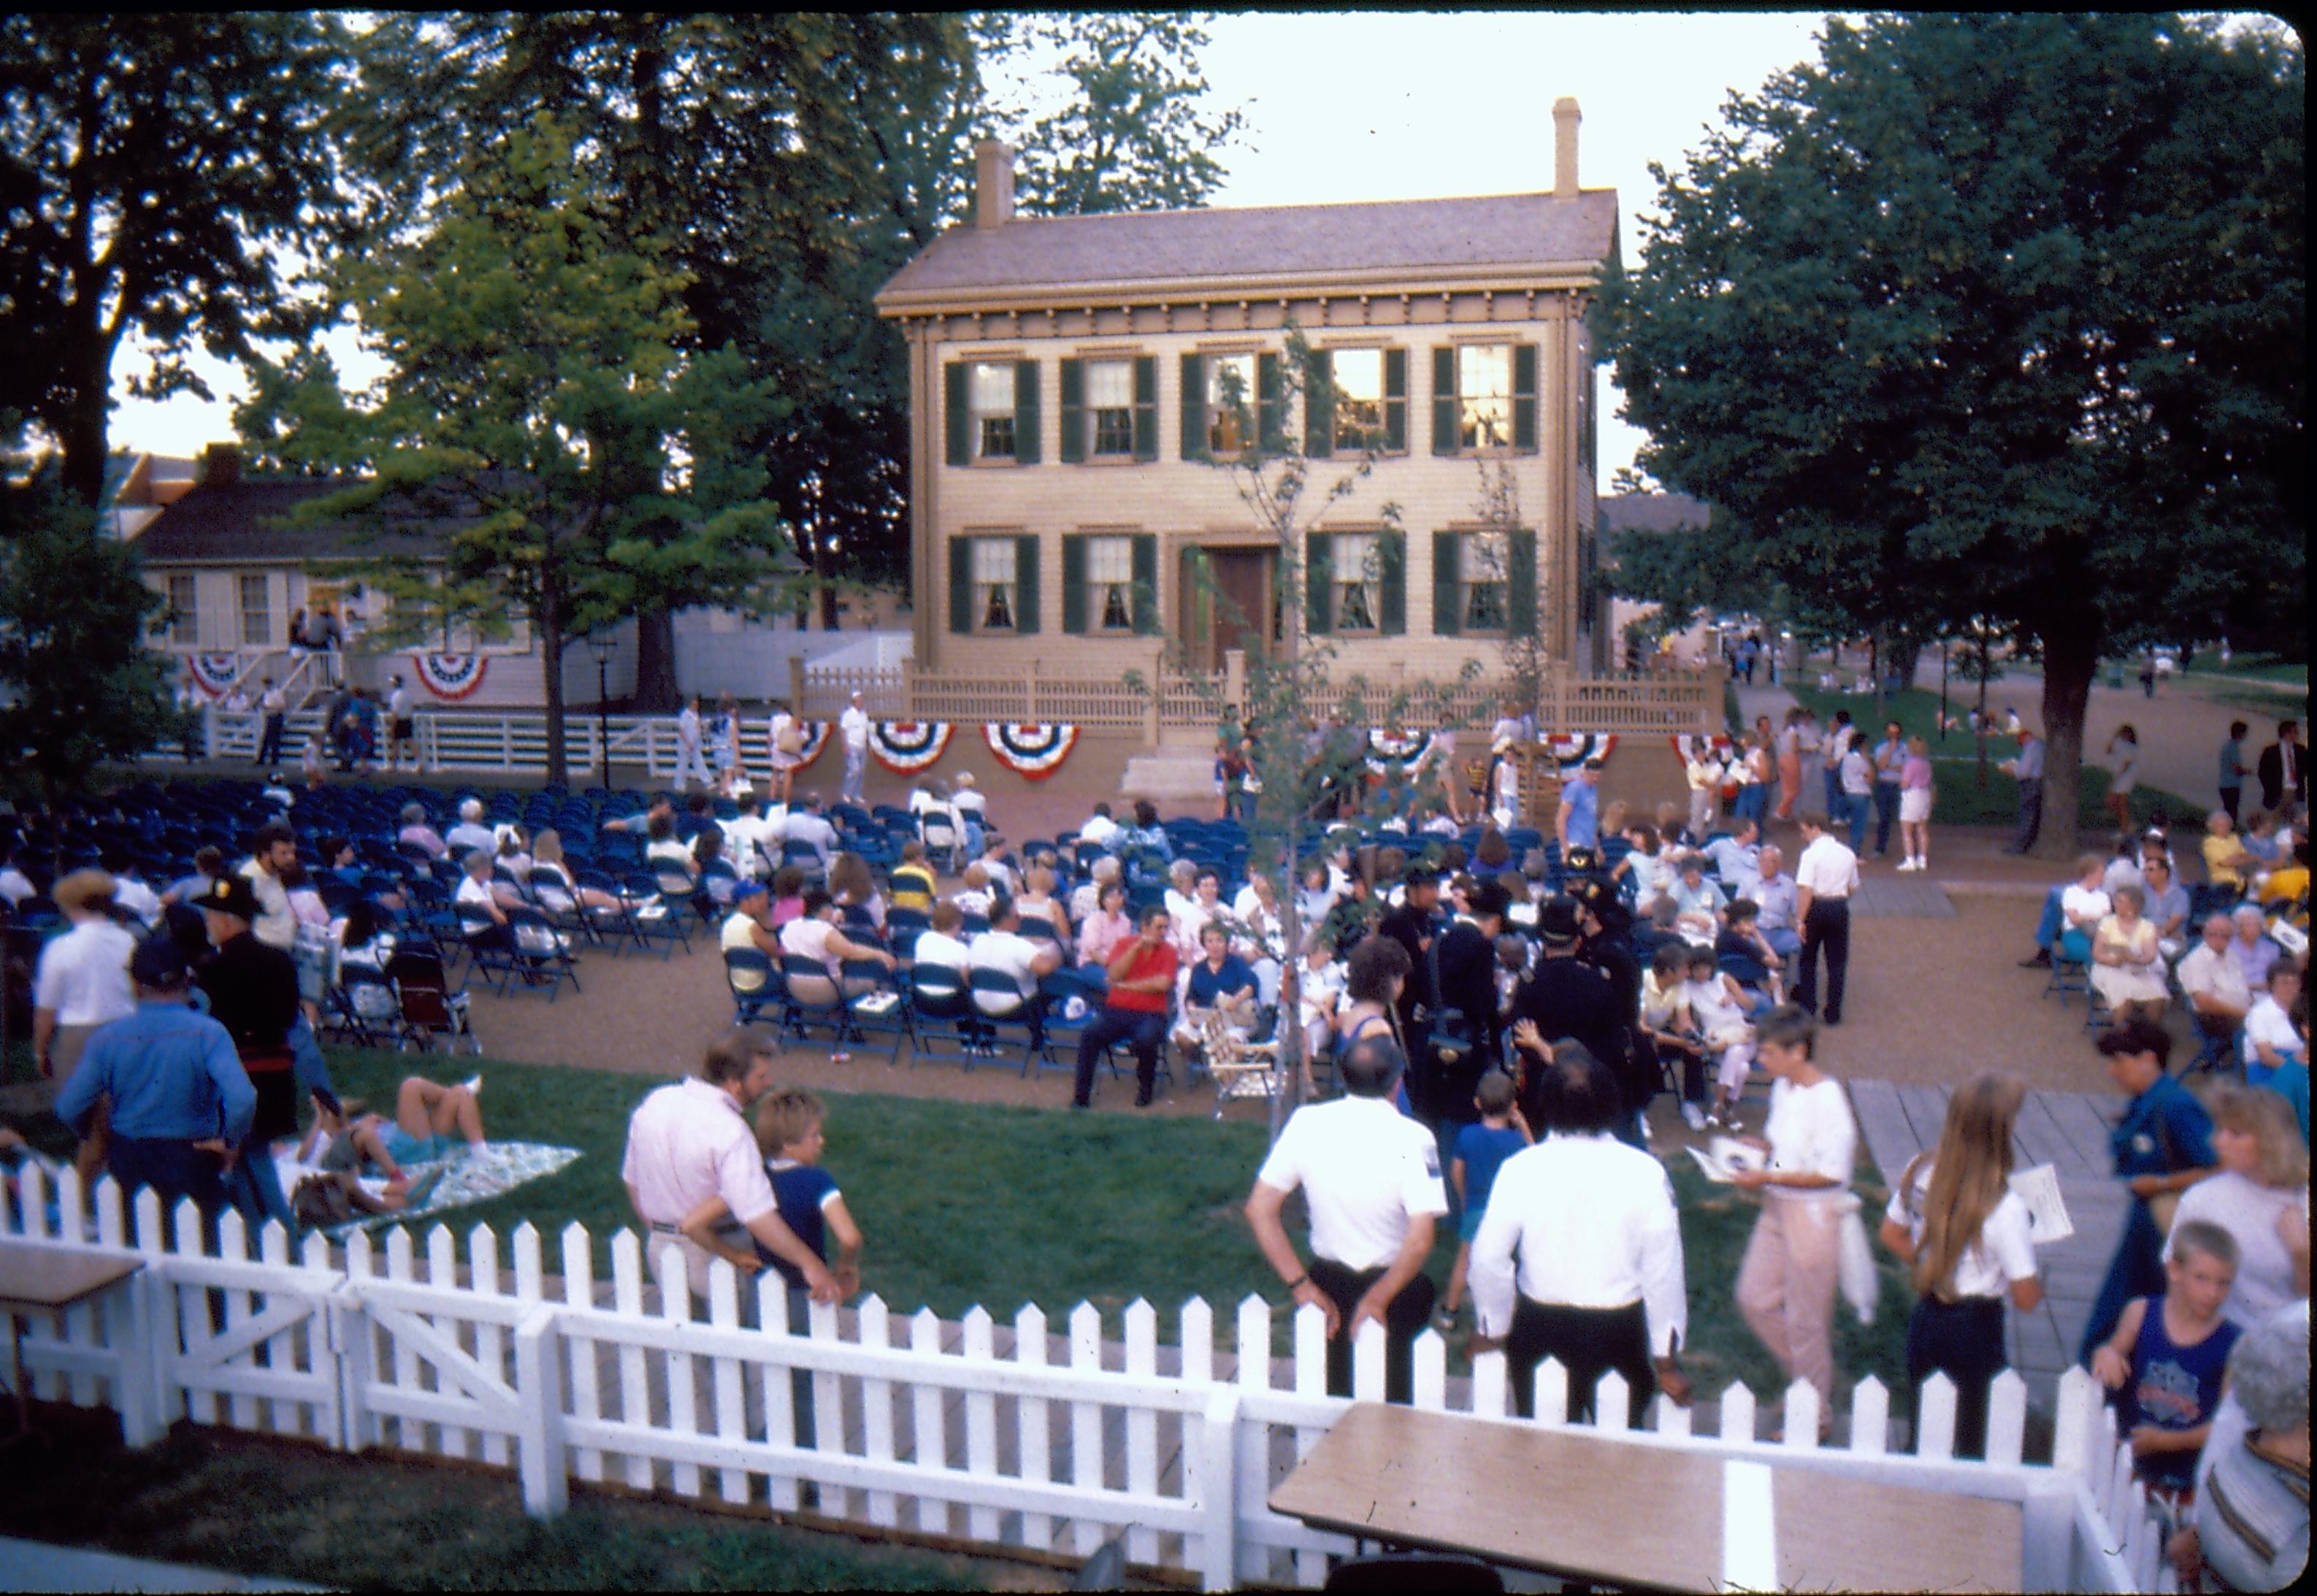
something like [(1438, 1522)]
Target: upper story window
[(256, 612), (990, 393), (1483, 397), (1110, 407), (1230, 403), (992, 412)]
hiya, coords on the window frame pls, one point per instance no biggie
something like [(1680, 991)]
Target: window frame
[(1218, 408), (979, 625), (979, 418), (1369, 439), (1095, 450), (1468, 441), (181, 625), (1371, 579), (1467, 585), (1097, 595), (241, 589)]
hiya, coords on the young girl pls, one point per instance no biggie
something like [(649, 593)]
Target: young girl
[(1914, 805), (1786, 1284), (913, 882), (1718, 1005), (1956, 1221)]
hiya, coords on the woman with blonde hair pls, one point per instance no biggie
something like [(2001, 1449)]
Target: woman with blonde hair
[(2260, 1198), (1954, 1219), (1914, 805)]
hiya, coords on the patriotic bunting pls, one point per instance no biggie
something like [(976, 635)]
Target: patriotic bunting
[(214, 674), (1410, 748), (451, 676), (1688, 746), (1576, 750), (905, 747), (1031, 751)]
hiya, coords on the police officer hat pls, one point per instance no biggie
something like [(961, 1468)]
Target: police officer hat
[(1557, 922), (229, 894), (158, 964)]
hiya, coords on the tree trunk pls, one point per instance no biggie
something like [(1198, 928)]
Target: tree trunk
[(2069, 661), (656, 686), (84, 433)]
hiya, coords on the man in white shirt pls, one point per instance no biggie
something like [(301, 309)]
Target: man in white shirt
[(853, 726), (1599, 1284), (131, 895), (751, 841), (276, 852), (1825, 877), (470, 832), (81, 981), (691, 763), (2219, 995), (1101, 831), (1371, 1181), (1005, 950), (401, 725), (940, 945), (690, 1141), (809, 826)]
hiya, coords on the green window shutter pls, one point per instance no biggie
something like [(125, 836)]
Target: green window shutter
[(960, 580), (1443, 401), (1391, 577), (1195, 407), (1270, 405), (1447, 593), (956, 413), (1525, 396), (1146, 581), (1025, 412), (1520, 583), (1074, 582), (1316, 618), (1146, 407), (1073, 415), (1395, 401), (1320, 405), (1025, 581)]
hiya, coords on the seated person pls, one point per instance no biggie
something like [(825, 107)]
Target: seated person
[(2226, 861), (1100, 830), (2254, 953), (660, 808), (2079, 906), (788, 895), (1718, 1005), (1742, 938), (2214, 982), (1220, 984), (940, 943), (1086, 897), (1037, 900), (807, 825), (666, 849), (470, 832), (2127, 971), (2165, 1360), (333, 1154), (2251, 1523), (816, 936), (1696, 903), (2288, 883), (2271, 1039), (1737, 854), (1101, 932), (854, 889), (430, 1122), (1320, 996), (1646, 864), (2166, 907), (1772, 892), (475, 889), (750, 926), (974, 894), (1002, 875), (912, 881), (419, 834), (1005, 950), (1668, 1023), (2260, 840), (1144, 847)]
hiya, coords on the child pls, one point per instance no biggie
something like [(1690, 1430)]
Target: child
[(973, 897), (1742, 938), (1512, 964), (790, 1132), (310, 764), (912, 884), (788, 895), (2165, 1359), (1671, 1028), (1786, 1286), (1480, 1151), (1718, 1005)]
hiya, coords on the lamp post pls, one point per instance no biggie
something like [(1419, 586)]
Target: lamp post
[(600, 644)]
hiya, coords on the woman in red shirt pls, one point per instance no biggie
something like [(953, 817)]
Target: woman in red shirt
[(1141, 971)]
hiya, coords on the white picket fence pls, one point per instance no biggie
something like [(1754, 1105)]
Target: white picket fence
[(1002, 1439)]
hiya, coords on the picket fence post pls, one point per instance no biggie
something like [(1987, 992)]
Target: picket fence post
[(1213, 1464), (539, 1443)]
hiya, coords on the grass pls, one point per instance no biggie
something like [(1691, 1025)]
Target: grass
[(366, 1523), (2255, 666), (1958, 798)]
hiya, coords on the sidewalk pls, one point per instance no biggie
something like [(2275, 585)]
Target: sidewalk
[(36, 1565)]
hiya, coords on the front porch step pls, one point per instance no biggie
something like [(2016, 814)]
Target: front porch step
[(1170, 775)]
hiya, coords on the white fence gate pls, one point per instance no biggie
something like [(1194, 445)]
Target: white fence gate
[(1005, 1438)]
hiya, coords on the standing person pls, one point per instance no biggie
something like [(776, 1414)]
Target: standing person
[(1838, 742), (1578, 822), (1825, 877), (1955, 1220), (690, 757), (2233, 770), (1465, 958), (1704, 773), (1563, 996), (1786, 1285), (401, 725), (2161, 1146), (690, 1141), (2123, 754), (181, 1102), (2260, 1198), (1141, 970), (1914, 805), (253, 992), (2283, 769), (1889, 781), (853, 726), (1598, 1283), (2026, 769), (1370, 1180), (274, 704), (1480, 1151), (1789, 760), (786, 740), (1855, 775), (724, 733), (82, 980)]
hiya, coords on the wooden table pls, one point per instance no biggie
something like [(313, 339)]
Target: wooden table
[(39, 1280), (1571, 1504)]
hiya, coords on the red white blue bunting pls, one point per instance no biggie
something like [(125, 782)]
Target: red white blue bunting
[(1031, 751), (905, 747), (451, 676), (1410, 748), (214, 674), (1576, 750), (1689, 746)]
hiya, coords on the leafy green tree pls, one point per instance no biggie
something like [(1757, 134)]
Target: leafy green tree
[(539, 385), (77, 687), (152, 175), (1998, 315)]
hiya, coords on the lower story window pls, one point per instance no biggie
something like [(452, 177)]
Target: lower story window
[(1483, 579), (1110, 582), (996, 584), (1357, 574)]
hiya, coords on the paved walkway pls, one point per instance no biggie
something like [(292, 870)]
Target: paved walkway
[(37, 1565), (2067, 1130)]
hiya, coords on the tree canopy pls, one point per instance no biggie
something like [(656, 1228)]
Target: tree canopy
[(1995, 316), (151, 178)]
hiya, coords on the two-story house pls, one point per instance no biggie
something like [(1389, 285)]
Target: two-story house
[(1068, 380)]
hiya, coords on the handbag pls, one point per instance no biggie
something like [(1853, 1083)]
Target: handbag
[(1855, 1261), (791, 740)]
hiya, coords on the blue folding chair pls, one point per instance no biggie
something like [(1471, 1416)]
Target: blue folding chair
[(754, 982), (945, 1024), (1004, 1007)]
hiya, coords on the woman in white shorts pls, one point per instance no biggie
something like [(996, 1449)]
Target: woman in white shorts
[(1915, 807)]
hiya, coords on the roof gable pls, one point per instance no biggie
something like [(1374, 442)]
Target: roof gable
[(246, 522)]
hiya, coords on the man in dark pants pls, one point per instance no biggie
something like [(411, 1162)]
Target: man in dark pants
[(253, 993), (1142, 972), (1371, 1178), (1564, 998), (2283, 768), (2027, 770), (1468, 984), (1413, 925), (181, 1102), (1825, 877)]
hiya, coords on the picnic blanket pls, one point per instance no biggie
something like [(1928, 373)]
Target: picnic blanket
[(459, 1180)]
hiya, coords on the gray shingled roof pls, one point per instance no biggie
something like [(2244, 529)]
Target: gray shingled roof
[(1155, 247), (1652, 513), (242, 524)]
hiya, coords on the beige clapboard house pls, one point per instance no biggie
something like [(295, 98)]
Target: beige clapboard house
[(1067, 383)]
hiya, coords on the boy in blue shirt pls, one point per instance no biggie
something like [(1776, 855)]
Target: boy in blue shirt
[(2165, 1360), (1480, 1151)]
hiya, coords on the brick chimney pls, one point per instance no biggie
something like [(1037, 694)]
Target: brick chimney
[(1565, 118), (221, 465), (993, 184)]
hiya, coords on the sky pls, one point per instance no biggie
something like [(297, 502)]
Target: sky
[(1367, 106)]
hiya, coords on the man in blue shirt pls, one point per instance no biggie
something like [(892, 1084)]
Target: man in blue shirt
[(181, 1102), (2162, 1146), (1577, 824)]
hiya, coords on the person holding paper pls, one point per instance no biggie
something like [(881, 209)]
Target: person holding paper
[(1786, 1284), (1954, 1219)]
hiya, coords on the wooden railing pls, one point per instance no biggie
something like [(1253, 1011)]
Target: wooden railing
[(1001, 1435)]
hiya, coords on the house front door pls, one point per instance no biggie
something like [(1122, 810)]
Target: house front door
[(1238, 608)]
